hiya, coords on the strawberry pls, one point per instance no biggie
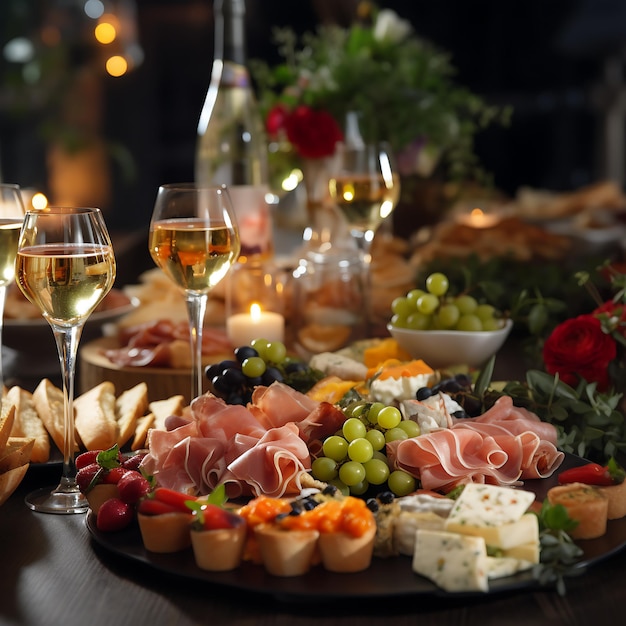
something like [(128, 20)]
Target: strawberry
[(86, 458), (88, 476), (132, 486), (176, 499), (133, 462), (112, 476), (150, 506), (215, 517), (114, 515)]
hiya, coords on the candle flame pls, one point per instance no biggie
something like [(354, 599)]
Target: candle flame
[(255, 312), (477, 213)]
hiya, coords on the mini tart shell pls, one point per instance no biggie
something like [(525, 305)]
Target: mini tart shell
[(218, 550), (167, 532), (341, 552), (286, 553), (584, 503), (99, 494)]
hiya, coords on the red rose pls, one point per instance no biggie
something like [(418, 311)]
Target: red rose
[(578, 348), (313, 133), (613, 309), (275, 120)]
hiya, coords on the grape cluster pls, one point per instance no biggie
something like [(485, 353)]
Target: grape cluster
[(353, 459), (459, 387), (433, 308), (261, 363)]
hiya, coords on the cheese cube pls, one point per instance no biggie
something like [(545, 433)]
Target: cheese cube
[(489, 505), (504, 536), (453, 562), (499, 567), (525, 552)]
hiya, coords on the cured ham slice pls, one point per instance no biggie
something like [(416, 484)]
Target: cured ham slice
[(503, 446), (224, 443)]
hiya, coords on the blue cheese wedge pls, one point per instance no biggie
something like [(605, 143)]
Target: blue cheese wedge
[(489, 505), (455, 563), (499, 567)]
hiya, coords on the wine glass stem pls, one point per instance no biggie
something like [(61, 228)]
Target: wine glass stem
[(3, 295), (364, 244), (67, 346), (196, 308)]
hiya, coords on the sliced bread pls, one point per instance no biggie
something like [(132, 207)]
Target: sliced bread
[(96, 421), (129, 407), (28, 423), (49, 403)]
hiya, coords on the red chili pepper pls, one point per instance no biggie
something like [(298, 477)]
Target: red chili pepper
[(590, 474)]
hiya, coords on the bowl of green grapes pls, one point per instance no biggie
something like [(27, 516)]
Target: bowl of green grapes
[(444, 329)]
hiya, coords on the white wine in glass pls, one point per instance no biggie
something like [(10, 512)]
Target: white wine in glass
[(11, 218), (194, 239), (65, 266)]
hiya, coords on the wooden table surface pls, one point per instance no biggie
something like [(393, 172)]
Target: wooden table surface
[(52, 572)]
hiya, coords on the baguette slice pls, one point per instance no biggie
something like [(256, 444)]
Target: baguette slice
[(6, 423), (10, 480), (141, 431), (28, 424), (17, 452), (96, 422), (129, 407), (49, 401), (163, 409)]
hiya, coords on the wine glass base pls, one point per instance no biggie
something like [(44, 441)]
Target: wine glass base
[(56, 500)]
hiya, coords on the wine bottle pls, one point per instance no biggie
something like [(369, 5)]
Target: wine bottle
[(231, 145)]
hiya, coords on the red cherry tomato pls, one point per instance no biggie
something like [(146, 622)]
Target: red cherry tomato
[(589, 474)]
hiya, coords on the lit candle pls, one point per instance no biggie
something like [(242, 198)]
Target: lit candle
[(242, 328), (477, 218)]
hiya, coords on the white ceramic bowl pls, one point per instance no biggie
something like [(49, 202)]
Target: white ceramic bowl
[(445, 348)]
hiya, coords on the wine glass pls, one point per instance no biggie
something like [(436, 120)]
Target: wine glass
[(194, 239), (11, 218), (65, 266), (365, 187)]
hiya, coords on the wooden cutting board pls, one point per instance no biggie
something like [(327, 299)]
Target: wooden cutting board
[(95, 367)]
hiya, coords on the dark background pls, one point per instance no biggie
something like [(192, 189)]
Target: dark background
[(543, 57)]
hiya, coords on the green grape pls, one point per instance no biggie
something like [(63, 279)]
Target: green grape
[(376, 471), (492, 324), (351, 473), (389, 417), (485, 312), (380, 455), (374, 410), (466, 304), (360, 450), (401, 306), (399, 321), (335, 448), (343, 488), (324, 468), (357, 409), (418, 321), (401, 483), (260, 345), (469, 323), (437, 284), (353, 428), (448, 316), (254, 367), (275, 352), (360, 488), (413, 296), (410, 427), (393, 434), (376, 438), (427, 304)]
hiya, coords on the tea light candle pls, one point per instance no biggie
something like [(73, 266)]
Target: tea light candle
[(477, 218), (242, 328)]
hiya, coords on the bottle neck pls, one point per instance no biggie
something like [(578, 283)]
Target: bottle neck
[(230, 42)]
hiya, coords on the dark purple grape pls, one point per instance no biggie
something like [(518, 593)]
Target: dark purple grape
[(294, 367), (423, 393), (234, 377), (228, 363), (472, 405), (461, 414), (451, 386), (210, 371), (245, 352), (220, 385), (464, 380), (254, 382), (271, 374)]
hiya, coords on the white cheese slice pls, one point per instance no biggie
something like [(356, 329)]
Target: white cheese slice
[(525, 552), (504, 536), (453, 562), (489, 505), (406, 524), (343, 367), (499, 567)]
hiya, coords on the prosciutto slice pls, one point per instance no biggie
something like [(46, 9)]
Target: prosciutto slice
[(223, 443), (503, 446)]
